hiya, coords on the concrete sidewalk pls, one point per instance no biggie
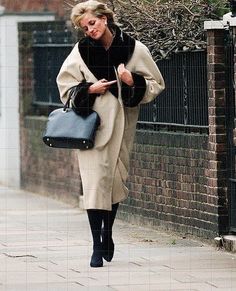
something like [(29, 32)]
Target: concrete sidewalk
[(46, 245)]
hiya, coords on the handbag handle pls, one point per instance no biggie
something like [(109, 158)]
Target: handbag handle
[(67, 104)]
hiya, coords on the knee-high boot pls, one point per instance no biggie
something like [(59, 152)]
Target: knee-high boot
[(95, 220), (107, 241)]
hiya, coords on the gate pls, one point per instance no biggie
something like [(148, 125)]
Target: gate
[(231, 126)]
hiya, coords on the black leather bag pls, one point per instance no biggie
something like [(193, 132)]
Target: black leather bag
[(67, 129)]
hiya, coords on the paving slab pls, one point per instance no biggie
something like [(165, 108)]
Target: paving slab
[(46, 245)]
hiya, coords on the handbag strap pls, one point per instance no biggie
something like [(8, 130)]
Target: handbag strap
[(67, 104)]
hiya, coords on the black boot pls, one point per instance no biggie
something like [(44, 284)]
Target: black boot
[(95, 221), (107, 241)]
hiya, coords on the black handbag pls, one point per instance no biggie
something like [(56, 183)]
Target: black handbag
[(67, 129)]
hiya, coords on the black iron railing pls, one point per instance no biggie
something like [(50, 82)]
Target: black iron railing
[(50, 48), (183, 104)]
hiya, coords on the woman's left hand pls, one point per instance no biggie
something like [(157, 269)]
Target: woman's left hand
[(125, 75)]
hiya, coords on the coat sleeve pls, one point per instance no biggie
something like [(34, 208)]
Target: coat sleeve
[(82, 101), (132, 96), (70, 74), (145, 66)]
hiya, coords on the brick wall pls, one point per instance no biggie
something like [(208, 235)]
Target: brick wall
[(57, 6), (168, 183)]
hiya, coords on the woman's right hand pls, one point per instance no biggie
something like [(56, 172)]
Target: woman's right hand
[(100, 87)]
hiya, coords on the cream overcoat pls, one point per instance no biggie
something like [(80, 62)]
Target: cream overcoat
[(104, 169)]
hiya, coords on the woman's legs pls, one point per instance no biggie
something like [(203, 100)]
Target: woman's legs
[(95, 220), (107, 241), (105, 248)]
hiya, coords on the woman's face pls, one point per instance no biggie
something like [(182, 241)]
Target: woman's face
[(93, 26)]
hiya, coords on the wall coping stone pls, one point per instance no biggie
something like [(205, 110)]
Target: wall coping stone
[(214, 24), (228, 20)]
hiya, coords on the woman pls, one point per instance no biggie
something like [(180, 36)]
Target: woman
[(111, 73)]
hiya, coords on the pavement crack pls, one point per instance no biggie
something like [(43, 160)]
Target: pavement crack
[(41, 267), (53, 263), (79, 283), (59, 239), (168, 267), (135, 264), (19, 256), (146, 240), (211, 284), (92, 278), (73, 270), (61, 276)]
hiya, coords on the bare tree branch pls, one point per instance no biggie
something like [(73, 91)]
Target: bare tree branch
[(167, 27)]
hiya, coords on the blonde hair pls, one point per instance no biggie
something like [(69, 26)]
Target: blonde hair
[(98, 9)]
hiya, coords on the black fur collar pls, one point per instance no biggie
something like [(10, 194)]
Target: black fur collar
[(101, 62)]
